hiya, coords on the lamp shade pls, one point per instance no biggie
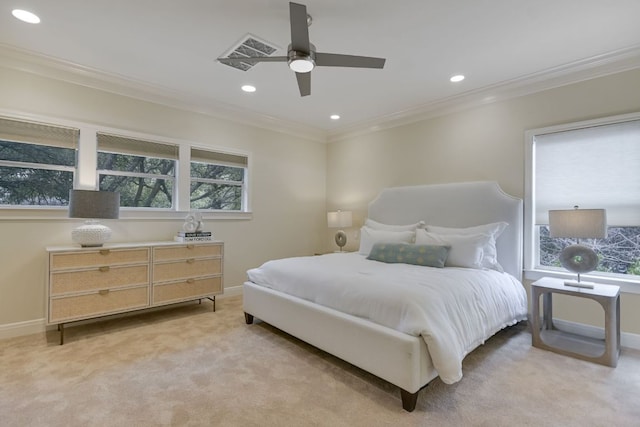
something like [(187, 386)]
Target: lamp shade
[(94, 204), (578, 223), (339, 219)]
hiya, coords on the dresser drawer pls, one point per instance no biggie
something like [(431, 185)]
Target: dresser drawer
[(186, 289), (185, 269), (97, 304), (98, 258), (98, 278), (187, 251)]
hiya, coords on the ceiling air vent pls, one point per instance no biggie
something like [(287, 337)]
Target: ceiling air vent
[(249, 47)]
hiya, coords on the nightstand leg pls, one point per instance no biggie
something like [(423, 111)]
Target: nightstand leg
[(611, 308), (547, 311), (61, 329)]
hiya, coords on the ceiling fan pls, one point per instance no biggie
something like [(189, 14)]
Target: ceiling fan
[(302, 56)]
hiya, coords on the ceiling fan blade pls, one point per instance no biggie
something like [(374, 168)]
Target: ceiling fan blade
[(304, 83), (299, 27), (337, 60), (253, 60)]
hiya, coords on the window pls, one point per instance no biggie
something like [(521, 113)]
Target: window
[(218, 180), (592, 165), (143, 172), (156, 177), (37, 163)]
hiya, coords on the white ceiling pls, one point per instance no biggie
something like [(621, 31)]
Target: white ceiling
[(169, 47)]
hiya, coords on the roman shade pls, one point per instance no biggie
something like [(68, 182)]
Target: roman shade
[(136, 147), (219, 158), (594, 168), (38, 133)]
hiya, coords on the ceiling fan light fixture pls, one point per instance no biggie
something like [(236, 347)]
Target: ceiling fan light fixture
[(302, 65)]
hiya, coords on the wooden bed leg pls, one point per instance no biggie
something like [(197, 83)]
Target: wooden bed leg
[(248, 318), (409, 400)]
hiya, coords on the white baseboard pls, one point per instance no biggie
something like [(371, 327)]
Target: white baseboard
[(18, 329), (37, 326), (627, 339), (231, 291)]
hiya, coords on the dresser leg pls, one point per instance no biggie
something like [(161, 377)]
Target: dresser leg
[(61, 329), (213, 299)]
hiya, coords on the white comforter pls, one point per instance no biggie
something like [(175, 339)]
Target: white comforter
[(453, 309)]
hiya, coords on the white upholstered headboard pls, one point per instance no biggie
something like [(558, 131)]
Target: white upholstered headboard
[(457, 205)]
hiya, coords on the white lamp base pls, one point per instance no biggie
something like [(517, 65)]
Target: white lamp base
[(91, 234)]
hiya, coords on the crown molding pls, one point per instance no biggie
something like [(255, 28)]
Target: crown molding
[(46, 66), (574, 72)]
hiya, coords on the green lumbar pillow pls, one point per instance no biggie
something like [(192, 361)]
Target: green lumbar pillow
[(425, 255)]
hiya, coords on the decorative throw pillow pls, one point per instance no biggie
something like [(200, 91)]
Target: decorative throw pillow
[(424, 255), (465, 251), (390, 227), (369, 237), (490, 252)]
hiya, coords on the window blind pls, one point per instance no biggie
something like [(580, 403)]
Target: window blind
[(38, 133), (595, 167), (136, 147), (206, 156)]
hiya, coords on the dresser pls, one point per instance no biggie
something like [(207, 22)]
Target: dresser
[(86, 283)]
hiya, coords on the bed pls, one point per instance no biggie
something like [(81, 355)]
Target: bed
[(417, 342)]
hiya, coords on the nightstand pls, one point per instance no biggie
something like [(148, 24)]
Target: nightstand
[(545, 336)]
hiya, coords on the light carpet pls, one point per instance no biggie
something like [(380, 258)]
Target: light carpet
[(188, 366)]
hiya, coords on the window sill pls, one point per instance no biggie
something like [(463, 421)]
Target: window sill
[(629, 286), (126, 214)]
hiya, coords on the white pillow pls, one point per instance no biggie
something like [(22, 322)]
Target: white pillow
[(389, 227), (466, 250), (495, 229), (369, 237)]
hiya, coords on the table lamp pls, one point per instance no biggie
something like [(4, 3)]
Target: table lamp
[(93, 205), (578, 224), (340, 219)]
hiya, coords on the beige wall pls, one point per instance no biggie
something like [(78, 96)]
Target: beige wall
[(302, 178), (485, 143), (287, 176)]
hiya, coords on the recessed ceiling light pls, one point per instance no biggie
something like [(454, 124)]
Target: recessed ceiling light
[(335, 117), (248, 88), (457, 78), (26, 16)]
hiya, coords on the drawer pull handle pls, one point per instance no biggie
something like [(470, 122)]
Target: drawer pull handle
[(191, 261), (104, 269), (103, 292), (104, 251), (191, 280), (190, 246)]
